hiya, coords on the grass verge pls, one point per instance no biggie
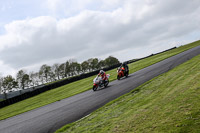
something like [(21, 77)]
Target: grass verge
[(167, 103), (81, 85)]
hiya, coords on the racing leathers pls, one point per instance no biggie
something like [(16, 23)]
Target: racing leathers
[(125, 66), (103, 76)]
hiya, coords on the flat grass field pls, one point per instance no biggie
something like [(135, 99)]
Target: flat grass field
[(167, 103), (82, 85)]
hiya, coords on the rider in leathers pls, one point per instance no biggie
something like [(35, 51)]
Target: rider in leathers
[(125, 66), (103, 75)]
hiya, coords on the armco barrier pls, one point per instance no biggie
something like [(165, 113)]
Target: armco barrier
[(57, 84)]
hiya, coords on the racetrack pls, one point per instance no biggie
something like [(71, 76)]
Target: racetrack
[(51, 117)]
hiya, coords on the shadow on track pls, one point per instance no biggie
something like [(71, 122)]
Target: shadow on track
[(104, 88), (123, 78)]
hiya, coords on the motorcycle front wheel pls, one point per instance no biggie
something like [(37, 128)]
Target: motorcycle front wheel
[(95, 88)]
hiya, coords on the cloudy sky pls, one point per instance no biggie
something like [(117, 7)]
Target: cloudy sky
[(35, 32)]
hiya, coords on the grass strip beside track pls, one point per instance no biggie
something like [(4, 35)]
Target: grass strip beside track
[(82, 85), (167, 103)]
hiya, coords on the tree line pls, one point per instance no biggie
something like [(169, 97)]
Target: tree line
[(53, 73)]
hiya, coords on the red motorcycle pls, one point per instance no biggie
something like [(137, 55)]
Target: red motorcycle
[(121, 73)]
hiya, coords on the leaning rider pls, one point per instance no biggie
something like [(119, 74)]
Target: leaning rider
[(125, 66), (103, 75)]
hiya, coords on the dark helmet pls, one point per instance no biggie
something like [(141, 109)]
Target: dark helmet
[(124, 63)]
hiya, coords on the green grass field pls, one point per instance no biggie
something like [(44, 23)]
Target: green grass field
[(81, 85), (167, 103)]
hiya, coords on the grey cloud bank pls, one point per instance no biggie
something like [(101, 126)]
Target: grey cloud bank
[(125, 31)]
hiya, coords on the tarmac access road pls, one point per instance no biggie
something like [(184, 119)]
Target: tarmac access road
[(49, 118)]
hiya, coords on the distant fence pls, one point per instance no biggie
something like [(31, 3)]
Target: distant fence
[(17, 93), (17, 96)]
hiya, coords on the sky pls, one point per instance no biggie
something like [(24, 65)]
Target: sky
[(35, 32)]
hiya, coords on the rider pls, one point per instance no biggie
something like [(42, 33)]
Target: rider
[(103, 75), (125, 66), (121, 68)]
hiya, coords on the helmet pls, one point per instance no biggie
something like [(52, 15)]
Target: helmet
[(124, 63), (101, 72)]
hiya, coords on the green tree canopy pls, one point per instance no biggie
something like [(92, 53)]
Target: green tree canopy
[(9, 82), (23, 79), (84, 66), (111, 61)]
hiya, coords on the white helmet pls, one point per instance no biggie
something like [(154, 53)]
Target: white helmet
[(101, 72)]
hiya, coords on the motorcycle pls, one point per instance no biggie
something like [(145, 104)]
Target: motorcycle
[(121, 73), (98, 82)]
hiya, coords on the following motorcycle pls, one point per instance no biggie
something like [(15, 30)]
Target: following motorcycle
[(98, 82), (121, 73)]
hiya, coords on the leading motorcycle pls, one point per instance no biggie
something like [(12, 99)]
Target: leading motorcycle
[(98, 82)]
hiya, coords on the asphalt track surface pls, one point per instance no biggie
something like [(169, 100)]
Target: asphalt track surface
[(49, 118)]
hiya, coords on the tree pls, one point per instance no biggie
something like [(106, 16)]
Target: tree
[(78, 67), (41, 77), (67, 68), (62, 70), (75, 68), (52, 76), (9, 83), (101, 64), (1, 83), (90, 64), (45, 71), (56, 70), (23, 79), (34, 79), (94, 64), (26, 80), (72, 67), (84, 66), (111, 61)]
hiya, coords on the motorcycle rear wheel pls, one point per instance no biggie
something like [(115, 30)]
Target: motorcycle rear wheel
[(106, 84), (118, 77), (126, 75)]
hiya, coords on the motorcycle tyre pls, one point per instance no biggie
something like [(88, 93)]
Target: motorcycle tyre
[(106, 84), (127, 73), (118, 77), (95, 88)]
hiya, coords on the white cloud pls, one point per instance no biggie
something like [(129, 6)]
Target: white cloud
[(60, 8), (6, 70), (130, 30)]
